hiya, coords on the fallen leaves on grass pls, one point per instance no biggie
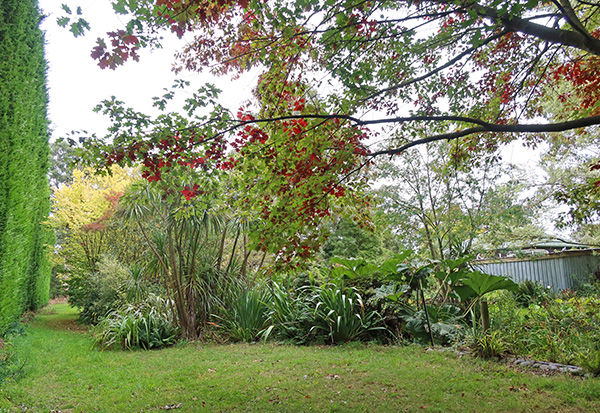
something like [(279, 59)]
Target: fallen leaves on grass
[(172, 406)]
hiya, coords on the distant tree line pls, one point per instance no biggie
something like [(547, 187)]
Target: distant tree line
[(24, 191)]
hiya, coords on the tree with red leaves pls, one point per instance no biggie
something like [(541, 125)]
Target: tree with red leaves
[(333, 73)]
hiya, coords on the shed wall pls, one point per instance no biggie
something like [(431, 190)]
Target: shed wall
[(559, 273)]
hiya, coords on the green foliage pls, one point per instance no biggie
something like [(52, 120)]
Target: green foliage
[(559, 330), (146, 325), (435, 203), (290, 314), (300, 316), (101, 292), (447, 324), (25, 241), (348, 240), (589, 359), (95, 245), (340, 315), (57, 285), (244, 313), (186, 246), (11, 362), (482, 284), (568, 164), (531, 293), (487, 344), (398, 278)]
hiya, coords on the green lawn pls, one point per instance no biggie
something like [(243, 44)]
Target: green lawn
[(64, 373)]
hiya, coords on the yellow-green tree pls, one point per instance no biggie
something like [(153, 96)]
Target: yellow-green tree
[(82, 215), (89, 197)]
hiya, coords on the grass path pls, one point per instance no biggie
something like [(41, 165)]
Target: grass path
[(63, 373)]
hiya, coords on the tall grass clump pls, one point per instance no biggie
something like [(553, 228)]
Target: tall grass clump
[(243, 314), (147, 325), (290, 314), (340, 314)]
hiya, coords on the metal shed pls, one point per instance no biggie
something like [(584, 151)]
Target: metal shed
[(560, 271)]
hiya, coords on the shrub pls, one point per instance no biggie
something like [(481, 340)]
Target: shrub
[(100, 293), (487, 344), (559, 330), (340, 316), (531, 292), (147, 325), (446, 324), (244, 311), (289, 314)]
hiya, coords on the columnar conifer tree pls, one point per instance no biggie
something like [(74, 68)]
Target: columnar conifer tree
[(24, 190)]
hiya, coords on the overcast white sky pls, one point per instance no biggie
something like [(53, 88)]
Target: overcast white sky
[(77, 84)]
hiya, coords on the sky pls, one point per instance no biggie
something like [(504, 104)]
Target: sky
[(77, 84)]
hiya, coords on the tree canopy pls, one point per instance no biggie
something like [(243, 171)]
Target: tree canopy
[(334, 76), (478, 66)]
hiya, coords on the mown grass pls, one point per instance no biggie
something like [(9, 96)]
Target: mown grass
[(64, 373)]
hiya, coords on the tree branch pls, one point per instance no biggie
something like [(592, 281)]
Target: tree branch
[(558, 36), (439, 68), (518, 128)]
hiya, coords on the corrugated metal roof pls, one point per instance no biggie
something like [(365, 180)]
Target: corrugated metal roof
[(557, 243)]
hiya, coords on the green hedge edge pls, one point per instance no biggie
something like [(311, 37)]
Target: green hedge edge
[(26, 241)]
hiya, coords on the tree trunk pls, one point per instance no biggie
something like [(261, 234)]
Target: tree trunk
[(485, 314)]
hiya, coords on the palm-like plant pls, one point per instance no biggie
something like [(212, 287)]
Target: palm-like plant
[(180, 238)]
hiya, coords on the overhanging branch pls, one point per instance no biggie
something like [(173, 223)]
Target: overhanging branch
[(489, 127), (482, 127)]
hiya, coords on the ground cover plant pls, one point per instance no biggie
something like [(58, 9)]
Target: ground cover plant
[(548, 326), (255, 377)]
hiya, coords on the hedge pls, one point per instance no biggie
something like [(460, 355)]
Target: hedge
[(25, 240)]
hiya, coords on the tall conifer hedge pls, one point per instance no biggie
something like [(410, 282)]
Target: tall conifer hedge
[(24, 191)]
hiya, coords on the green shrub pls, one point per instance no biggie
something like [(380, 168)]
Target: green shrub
[(487, 344), (559, 330), (531, 292), (341, 316), (110, 288), (244, 311), (446, 324), (289, 314), (147, 325), (100, 293), (25, 239)]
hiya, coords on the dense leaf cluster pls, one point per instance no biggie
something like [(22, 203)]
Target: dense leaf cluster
[(24, 190)]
